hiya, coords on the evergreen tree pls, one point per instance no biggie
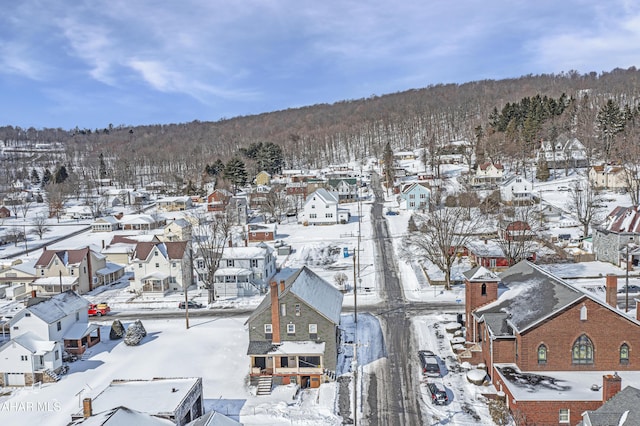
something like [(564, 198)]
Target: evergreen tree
[(46, 177), (60, 175), (236, 173), (35, 177), (102, 168)]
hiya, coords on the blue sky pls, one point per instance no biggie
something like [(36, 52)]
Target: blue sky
[(89, 63)]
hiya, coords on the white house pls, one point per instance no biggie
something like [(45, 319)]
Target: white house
[(321, 208), (517, 190), (161, 267), (244, 271), (38, 334)]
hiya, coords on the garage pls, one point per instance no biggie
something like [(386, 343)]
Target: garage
[(14, 379)]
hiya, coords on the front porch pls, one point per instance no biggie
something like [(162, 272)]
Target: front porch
[(81, 337)]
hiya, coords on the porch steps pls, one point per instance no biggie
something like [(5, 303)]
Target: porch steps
[(264, 385), (52, 374)]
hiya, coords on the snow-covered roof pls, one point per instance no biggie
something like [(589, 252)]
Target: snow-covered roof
[(558, 385), (155, 396), (316, 292), (34, 344), (79, 330), (59, 306), (123, 416)]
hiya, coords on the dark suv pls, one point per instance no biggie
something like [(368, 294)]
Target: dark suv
[(438, 393), (429, 363)]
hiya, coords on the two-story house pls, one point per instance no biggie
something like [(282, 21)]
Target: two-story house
[(244, 271), (545, 343), (415, 196), (79, 270), (161, 267), (517, 190), (294, 333), (321, 208), (39, 332)]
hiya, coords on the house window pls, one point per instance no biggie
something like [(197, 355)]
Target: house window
[(583, 313), (542, 354), (624, 354), (268, 331), (297, 309), (563, 415), (291, 329), (313, 331), (59, 326), (483, 289), (24, 358), (254, 263), (283, 309), (582, 352)]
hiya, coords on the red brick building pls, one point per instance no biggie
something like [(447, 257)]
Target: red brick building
[(554, 350)]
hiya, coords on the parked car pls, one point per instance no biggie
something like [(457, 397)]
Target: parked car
[(98, 309), (191, 304), (438, 393), (429, 364)]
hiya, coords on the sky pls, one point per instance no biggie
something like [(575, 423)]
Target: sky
[(91, 63)]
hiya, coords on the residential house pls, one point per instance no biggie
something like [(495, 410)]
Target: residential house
[(39, 332), (620, 409), (263, 178), (488, 174), (121, 247), (261, 232), (17, 277), (174, 204), (294, 333), (545, 342), (346, 188), (217, 200), (161, 267), (79, 270), (243, 271), (619, 229), (179, 400), (517, 190), (238, 210), (177, 230), (564, 152), (608, 177), (105, 224), (321, 208), (415, 196)]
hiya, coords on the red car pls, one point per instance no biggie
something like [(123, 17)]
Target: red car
[(98, 309)]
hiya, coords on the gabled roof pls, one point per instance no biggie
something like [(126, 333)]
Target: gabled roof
[(621, 409), (532, 294), (67, 257), (323, 194), (59, 306), (311, 289)]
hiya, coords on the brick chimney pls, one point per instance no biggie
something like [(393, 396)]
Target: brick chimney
[(87, 409), (275, 312), (611, 385), (612, 290)]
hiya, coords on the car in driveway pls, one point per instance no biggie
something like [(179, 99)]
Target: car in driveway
[(191, 305), (429, 364), (437, 393)]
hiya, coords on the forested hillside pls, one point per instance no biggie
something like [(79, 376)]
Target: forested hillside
[(505, 118)]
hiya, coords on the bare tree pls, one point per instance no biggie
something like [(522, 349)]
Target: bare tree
[(439, 236), (210, 235), (518, 228), (587, 204), (39, 225)]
